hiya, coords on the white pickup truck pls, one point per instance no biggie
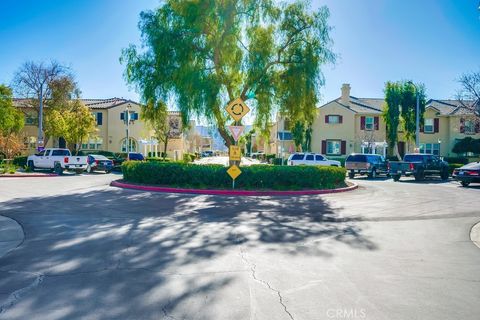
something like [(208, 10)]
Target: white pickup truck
[(57, 160)]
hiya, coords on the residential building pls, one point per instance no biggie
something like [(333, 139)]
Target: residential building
[(111, 126), (349, 124)]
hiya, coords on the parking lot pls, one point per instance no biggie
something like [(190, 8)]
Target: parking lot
[(388, 250)]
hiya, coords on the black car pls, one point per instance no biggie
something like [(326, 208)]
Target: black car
[(419, 165), (135, 156), (96, 162), (468, 173)]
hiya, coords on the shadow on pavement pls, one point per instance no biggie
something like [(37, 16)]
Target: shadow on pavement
[(126, 254)]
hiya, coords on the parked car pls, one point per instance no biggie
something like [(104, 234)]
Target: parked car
[(366, 164), (135, 156), (311, 159), (207, 154), (57, 160), (99, 163), (469, 173), (419, 165)]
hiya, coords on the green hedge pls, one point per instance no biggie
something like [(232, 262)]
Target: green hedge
[(20, 161), (189, 157), (453, 166), (463, 160), (155, 159), (258, 177)]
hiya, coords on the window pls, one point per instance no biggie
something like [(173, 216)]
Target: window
[(30, 120), (469, 127), (309, 157), (132, 146), (333, 119), (333, 146), (319, 158), (98, 118), (60, 153), (430, 148), (30, 142), (369, 123), (93, 144), (428, 126), (297, 156)]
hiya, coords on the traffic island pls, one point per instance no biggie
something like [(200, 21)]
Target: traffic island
[(125, 185), (475, 234), (27, 175)]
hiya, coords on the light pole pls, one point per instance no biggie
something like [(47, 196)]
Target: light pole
[(40, 121), (417, 117), (127, 122)]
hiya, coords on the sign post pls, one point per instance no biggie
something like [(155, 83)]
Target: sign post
[(237, 109)]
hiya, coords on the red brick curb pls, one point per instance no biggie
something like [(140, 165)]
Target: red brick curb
[(230, 192), (28, 175)]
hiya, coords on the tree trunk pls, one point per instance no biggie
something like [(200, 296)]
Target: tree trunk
[(165, 144), (226, 137), (395, 150)]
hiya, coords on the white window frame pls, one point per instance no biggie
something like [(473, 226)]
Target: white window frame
[(133, 145), (333, 116), (429, 123), (332, 149), (430, 148), (369, 123)]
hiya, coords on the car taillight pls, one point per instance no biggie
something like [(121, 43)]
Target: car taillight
[(96, 161), (65, 159), (411, 167), (472, 173)]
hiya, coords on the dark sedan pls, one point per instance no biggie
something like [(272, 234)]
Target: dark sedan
[(468, 173), (99, 163)]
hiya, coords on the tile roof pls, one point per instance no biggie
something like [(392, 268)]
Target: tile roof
[(376, 105), (91, 103)]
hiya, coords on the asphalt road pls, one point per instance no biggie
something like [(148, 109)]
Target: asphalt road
[(385, 251)]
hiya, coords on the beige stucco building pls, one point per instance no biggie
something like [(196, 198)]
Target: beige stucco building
[(349, 124), (111, 127)]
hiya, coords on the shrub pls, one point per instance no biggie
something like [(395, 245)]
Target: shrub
[(341, 159), (177, 174), (189, 157), (463, 160), (278, 161), (453, 166), (20, 161), (159, 159)]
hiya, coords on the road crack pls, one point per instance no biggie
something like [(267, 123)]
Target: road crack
[(18, 294), (253, 269)]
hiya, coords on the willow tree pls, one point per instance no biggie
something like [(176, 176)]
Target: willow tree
[(409, 107), (203, 54), (391, 113)]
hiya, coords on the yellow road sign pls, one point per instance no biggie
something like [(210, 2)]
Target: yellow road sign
[(235, 153), (237, 109), (234, 172)]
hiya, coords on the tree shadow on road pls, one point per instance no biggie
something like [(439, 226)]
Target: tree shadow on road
[(128, 254)]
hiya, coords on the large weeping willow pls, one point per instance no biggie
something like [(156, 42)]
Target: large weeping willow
[(205, 53)]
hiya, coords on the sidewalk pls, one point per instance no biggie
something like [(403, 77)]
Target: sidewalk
[(11, 235)]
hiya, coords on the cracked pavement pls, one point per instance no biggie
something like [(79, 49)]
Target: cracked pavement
[(385, 251)]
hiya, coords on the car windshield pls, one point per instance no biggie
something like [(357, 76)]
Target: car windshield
[(357, 158), (99, 157), (413, 158), (297, 156), (60, 153)]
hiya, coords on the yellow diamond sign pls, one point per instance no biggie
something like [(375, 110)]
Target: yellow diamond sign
[(235, 153), (237, 109), (234, 172)]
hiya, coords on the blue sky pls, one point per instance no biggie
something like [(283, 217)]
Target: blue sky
[(429, 41)]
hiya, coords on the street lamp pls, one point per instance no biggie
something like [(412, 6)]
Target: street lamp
[(127, 122), (417, 114)]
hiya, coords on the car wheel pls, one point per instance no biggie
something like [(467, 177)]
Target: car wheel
[(108, 171), (419, 176), (444, 175), (465, 184), (58, 169), (372, 174), (31, 166), (351, 174), (79, 171), (396, 177), (89, 169)]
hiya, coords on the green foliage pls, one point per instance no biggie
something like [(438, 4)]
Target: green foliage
[(463, 160), (156, 159), (11, 120), (453, 166), (177, 174), (189, 157), (391, 114), (20, 161), (156, 116), (467, 144), (203, 54), (409, 106), (341, 159), (302, 135)]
